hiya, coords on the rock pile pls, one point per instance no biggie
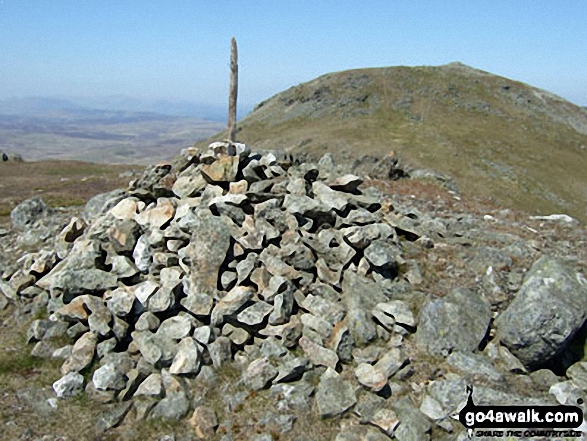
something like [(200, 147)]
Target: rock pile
[(295, 275), (9, 156)]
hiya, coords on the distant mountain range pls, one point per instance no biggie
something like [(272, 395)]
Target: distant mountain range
[(41, 106), (106, 130), (499, 139)]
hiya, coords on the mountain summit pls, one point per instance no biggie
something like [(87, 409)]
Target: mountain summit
[(499, 139)]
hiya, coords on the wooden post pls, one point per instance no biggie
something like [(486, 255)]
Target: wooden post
[(233, 92)]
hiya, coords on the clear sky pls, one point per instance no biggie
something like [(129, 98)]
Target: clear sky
[(179, 49)]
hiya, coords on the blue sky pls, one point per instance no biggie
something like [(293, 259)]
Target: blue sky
[(179, 49)]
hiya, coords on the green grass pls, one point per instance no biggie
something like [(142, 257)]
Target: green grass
[(498, 138), (19, 363)]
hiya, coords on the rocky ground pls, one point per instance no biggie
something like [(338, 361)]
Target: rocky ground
[(233, 295)]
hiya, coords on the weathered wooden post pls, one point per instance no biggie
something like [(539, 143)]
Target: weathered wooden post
[(233, 92)]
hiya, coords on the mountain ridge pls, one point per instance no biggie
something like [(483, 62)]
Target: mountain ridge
[(500, 139)]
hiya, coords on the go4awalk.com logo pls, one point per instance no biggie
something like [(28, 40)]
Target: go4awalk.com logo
[(520, 421)]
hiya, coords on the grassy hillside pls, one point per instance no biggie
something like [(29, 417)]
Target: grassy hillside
[(500, 139)]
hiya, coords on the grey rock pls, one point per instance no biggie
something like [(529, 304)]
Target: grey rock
[(112, 417), (230, 304), (99, 321), (367, 406), (330, 198), (144, 290), (395, 311), (277, 422), (204, 422), (475, 364), (38, 329), (334, 395), (8, 291), (108, 377), (152, 386), (223, 169), (360, 295), (324, 308), (361, 433), (170, 277), (123, 236), (188, 186), (485, 257), (82, 354), (510, 362), (220, 351), (176, 327), (123, 267), (391, 362), (386, 420), (275, 285), (174, 406), (458, 321), (292, 370), (121, 302), (254, 314), (63, 352), (245, 267), (200, 304), (187, 359), (143, 407), (317, 354), (274, 263), (147, 346), (414, 426), (370, 377), (238, 336), (362, 236), (206, 251), (203, 334), (101, 203), (546, 313), (271, 347), (69, 385), (293, 396), (316, 325), (260, 373), (228, 279), (28, 212), (142, 253), (76, 330), (147, 322), (382, 254), (567, 393), (304, 206), (578, 374), (106, 347), (74, 281), (289, 333), (43, 349)]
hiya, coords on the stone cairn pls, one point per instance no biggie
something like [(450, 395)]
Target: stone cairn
[(276, 267)]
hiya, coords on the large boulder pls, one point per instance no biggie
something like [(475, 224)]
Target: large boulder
[(458, 321), (102, 202), (545, 315), (28, 212)]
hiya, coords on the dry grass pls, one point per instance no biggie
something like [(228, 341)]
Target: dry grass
[(23, 375), (59, 183)]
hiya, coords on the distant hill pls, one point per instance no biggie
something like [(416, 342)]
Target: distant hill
[(40, 106), (498, 138), (49, 128)]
